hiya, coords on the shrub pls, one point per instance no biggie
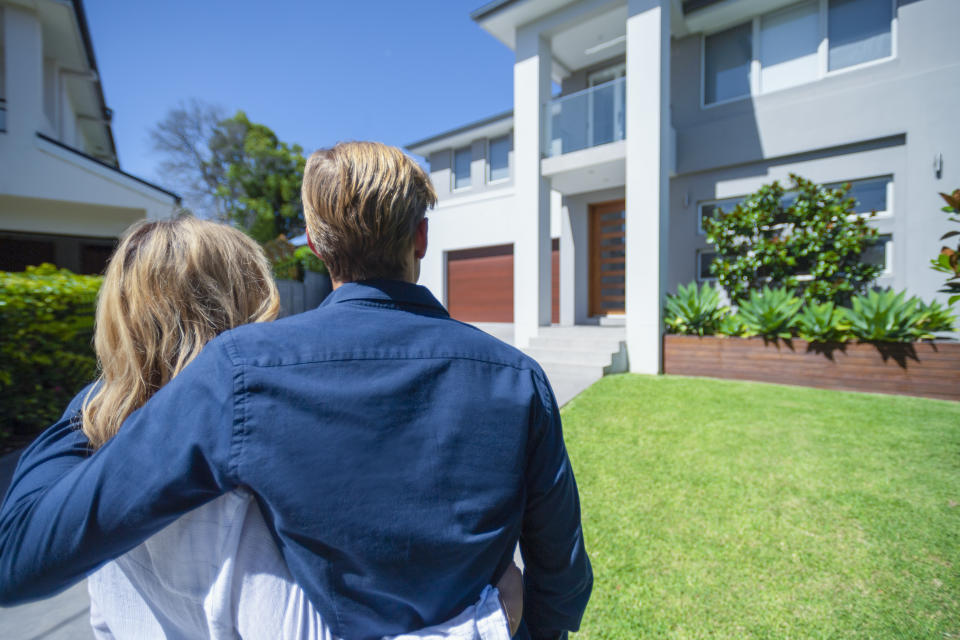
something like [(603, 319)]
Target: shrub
[(694, 311), (309, 261), (949, 259), (822, 323), (810, 242), (771, 313), (46, 324), (886, 316)]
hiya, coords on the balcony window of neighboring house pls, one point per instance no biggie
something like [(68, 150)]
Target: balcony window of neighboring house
[(499, 158), (795, 45), (461, 168)]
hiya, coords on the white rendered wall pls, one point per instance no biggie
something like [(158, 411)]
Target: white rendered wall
[(647, 182), (531, 264)]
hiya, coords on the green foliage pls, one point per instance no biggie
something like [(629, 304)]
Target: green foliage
[(732, 325), (949, 259), (887, 316), (822, 323), (771, 313), (46, 320), (694, 311), (810, 242), (260, 190)]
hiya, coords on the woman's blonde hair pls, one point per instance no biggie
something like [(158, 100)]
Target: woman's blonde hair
[(170, 287)]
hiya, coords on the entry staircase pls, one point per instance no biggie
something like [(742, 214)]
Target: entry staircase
[(575, 357)]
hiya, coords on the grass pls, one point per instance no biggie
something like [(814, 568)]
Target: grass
[(720, 509)]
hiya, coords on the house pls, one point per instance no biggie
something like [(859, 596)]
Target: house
[(583, 206), (63, 197)]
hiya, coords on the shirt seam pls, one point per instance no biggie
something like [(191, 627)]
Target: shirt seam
[(239, 418), (518, 367)]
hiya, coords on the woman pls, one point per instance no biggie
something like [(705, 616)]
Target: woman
[(216, 572)]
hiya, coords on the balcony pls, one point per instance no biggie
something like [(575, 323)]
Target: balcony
[(586, 118)]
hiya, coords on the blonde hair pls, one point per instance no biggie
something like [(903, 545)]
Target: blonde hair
[(362, 202), (170, 287)]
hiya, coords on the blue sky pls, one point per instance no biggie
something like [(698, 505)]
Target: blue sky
[(314, 71)]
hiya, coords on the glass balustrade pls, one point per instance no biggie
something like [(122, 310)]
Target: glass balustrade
[(586, 118)]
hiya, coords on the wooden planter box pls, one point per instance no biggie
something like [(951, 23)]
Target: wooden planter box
[(924, 369)]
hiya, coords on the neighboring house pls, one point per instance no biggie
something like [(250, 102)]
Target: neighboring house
[(667, 110), (63, 197)]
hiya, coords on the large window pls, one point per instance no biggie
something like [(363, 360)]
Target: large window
[(872, 194), (500, 158), (795, 45), (461, 168)]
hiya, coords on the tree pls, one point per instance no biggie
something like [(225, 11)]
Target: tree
[(809, 240), (183, 138), (261, 189), (948, 261)]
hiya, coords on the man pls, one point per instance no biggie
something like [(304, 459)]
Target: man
[(397, 455)]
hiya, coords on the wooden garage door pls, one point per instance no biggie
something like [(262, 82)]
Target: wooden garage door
[(480, 284)]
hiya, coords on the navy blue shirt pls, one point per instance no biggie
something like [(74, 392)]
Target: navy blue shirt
[(398, 456)]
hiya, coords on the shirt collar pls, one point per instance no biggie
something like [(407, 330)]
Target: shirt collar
[(391, 292)]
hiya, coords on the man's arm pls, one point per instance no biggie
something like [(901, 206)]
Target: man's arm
[(557, 572), (67, 512)]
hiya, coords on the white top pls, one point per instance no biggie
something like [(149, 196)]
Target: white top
[(217, 573)]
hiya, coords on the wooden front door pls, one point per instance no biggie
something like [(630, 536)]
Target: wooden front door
[(608, 252)]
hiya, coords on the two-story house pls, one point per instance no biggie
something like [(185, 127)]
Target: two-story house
[(584, 206), (63, 197)]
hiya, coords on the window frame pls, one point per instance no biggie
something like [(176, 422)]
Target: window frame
[(490, 180), (453, 169), (823, 54), (886, 213), (697, 264)]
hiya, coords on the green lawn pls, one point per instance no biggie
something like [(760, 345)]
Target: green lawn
[(720, 509)]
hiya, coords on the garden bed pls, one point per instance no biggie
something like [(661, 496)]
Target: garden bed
[(928, 369)]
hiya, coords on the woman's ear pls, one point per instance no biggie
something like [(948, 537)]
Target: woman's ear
[(312, 247)]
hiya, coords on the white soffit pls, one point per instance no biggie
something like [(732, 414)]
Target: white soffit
[(462, 137), (728, 13)]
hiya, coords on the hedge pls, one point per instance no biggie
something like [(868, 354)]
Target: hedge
[(46, 352)]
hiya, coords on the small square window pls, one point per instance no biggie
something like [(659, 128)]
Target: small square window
[(500, 157), (727, 56), (859, 31), (880, 253), (461, 168)]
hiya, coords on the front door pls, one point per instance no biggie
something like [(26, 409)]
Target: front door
[(608, 252)]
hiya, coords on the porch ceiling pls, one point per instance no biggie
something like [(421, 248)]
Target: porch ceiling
[(590, 169)]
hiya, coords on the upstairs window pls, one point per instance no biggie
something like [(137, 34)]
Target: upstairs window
[(727, 58), (500, 158), (461, 168), (799, 44), (859, 31)]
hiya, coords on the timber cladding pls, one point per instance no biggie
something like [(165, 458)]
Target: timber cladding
[(927, 369)]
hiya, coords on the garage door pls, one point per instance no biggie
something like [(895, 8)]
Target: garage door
[(480, 284)]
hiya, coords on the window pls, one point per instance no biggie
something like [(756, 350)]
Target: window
[(783, 48), (880, 253), (727, 57), (500, 158), (461, 168), (788, 46), (871, 194), (704, 260), (859, 31), (709, 209)]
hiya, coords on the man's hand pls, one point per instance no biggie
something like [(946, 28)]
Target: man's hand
[(510, 586)]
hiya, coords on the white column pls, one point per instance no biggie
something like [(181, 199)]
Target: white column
[(23, 62), (568, 267), (648, 204), (531, 250)]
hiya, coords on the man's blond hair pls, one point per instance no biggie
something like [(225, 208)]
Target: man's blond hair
[(363, 202)]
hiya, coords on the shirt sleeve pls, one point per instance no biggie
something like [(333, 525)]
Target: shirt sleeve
[(557, 573), (67, 511)]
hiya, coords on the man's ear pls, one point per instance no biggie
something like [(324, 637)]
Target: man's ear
[(313, 248), (420, 241)]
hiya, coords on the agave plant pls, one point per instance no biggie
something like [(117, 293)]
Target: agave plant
[(822, 323), (771, 313), (731, 325), (887, 316), (694, 311)]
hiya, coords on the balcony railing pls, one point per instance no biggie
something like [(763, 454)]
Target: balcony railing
[(586, 118)]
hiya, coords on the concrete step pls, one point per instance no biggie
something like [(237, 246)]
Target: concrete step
[(572, 356), (566, 370), (583, 331), (602, 344)]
